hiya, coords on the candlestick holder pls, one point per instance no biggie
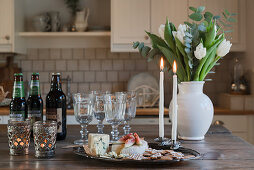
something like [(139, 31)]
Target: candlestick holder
[(174, 144), (162, 141)]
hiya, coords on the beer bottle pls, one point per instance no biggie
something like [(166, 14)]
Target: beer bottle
[(34, 101), (56, 105), (18, 106)]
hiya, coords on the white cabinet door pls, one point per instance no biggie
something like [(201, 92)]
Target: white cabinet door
[(237, 37), (175, 10), (129, 20), (6, 25)]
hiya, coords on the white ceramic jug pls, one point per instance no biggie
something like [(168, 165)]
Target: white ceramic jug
[(81, 21)]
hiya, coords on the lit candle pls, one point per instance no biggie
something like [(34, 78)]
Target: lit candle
[(161, 104), (174, 103)]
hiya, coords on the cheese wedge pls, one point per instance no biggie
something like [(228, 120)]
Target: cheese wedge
[(98, 143)]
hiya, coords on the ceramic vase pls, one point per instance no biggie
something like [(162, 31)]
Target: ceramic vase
[(81, 21), (195, 111)]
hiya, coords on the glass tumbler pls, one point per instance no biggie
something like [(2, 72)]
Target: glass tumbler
[(44, 133), (19, 137)]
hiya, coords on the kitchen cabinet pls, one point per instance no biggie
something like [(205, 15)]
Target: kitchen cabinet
[(176, 11), (129, 20), (6, 26), (238, 36)]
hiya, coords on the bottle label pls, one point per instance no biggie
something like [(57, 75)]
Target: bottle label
[(17, 115), (34, 115), (35, 87), (55, 114), (18, 89)]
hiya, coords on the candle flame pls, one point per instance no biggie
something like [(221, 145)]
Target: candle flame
[(174, 67), (162, 64)]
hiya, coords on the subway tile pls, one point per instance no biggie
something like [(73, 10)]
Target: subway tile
[(124, 76), (78, 77), (118, 65), (106, 65), (141, 65), (78, 53), (32, 53), (83, 87), (129, 65), (101, 76), (83, 65), (89, 77), (55, 53), (46, 88), (90, 53), (152, 65), (45, 77), (106, 87), (124, 55), (117, 87), (74, 88), (135, 55), (26, 65), (72, 65), (49, 65), (37, 65), (44, 54), (64, 88), (101, 53), (66, 53), (112, 55), (61, 65), (65, 74), (112, 76), (248, 103), (95, 65), (95, 86)]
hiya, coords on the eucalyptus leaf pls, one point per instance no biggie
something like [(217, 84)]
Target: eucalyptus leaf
[(196, 16), (135, 44), (200, 9), (217, 17), (208, 16), (231, 20), (187, 23), (140, 46), (193, 9), (145, 50)]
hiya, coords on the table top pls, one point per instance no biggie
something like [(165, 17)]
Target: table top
[(220, 149)]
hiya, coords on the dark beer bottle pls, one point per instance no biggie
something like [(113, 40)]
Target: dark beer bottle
[(56, 105), (34, 101), (18, 106)]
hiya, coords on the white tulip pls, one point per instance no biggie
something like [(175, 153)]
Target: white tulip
[(223, 48), (162, 30), (200, 51), (180, 33)]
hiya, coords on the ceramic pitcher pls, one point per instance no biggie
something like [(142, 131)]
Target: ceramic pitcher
[(81, 23)]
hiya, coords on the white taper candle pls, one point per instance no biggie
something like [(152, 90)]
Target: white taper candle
[(174, 103), (161, 102)]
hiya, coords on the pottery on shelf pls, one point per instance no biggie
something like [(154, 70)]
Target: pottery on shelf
[(81, 20), (195, 111)]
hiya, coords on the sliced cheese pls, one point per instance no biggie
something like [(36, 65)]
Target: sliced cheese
[(98, 143)]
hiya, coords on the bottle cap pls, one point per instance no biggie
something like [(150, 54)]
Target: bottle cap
[(35, 74), (56, 74), (18, 74)]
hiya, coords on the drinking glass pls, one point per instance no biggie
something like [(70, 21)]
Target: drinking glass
[(83, 111), (19, 136), (99, 111), (44, 133), (130, 112), (115, 105)]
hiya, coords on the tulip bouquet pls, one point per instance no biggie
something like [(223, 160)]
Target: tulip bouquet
[(196, 46)]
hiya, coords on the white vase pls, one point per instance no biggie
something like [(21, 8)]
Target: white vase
[(81, 21), (195, 111)]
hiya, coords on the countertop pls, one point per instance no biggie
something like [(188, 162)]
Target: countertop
[(155, 111), (220, 150)]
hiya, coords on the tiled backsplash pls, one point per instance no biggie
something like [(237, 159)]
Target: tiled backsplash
[(99, 69)]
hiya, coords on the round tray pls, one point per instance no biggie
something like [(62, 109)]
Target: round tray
[(80, 151)]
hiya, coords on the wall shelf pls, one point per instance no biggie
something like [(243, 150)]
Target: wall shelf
[(65, 34)]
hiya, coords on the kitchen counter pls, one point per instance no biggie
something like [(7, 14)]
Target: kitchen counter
[(220, 150), (155, 111)]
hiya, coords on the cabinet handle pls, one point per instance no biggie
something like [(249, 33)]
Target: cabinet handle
[(7, 37), (146, 37), (218, 122)]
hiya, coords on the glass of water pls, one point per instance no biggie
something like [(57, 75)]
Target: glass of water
[(130, 111), (99, 111), (115, 105), (83, 110)]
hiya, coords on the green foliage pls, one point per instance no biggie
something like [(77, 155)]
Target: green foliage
[(72, 5), (205, 28)]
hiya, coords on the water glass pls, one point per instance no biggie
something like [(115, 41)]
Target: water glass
[(130, 112), (83, 110), (115, 105), (44, 133), (19, 137), (99, 111)]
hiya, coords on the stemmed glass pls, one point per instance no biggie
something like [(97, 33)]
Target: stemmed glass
[(130, 112), (83, 111), (115, 105), (99, 111)]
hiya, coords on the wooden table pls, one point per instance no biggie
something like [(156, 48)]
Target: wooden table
[(220, 149)]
